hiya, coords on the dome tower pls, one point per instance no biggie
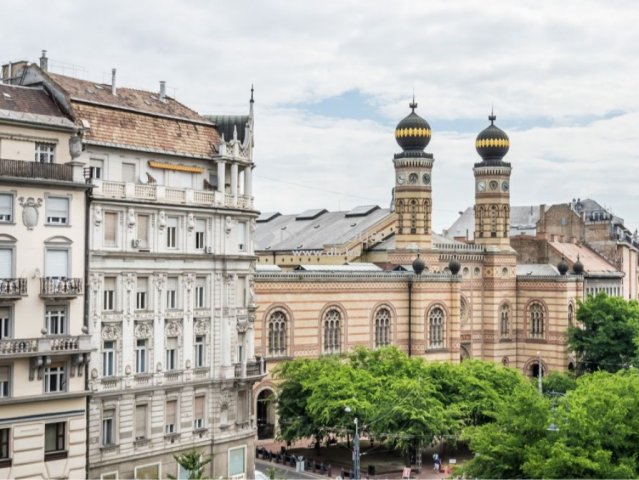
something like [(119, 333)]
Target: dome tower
[(413, 168)]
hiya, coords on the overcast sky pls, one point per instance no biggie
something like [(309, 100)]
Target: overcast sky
[(332, 79)]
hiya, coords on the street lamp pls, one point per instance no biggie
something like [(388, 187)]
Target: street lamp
[(553, 426), (356, 454)]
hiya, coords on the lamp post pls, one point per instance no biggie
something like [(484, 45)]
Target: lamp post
[(356, 453), (539, 374)]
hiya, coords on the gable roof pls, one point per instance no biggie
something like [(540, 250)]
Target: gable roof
[(594, 264), (32, 105)]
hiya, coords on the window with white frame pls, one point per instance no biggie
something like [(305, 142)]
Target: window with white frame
[(6, 268), (332, 331), (200, 351), (44, 152), (57, 210), (171, 232), (198, 412), (436, 326), (55, 319), (200, 292), (5, 381), (108, 358), (171, 353), (141, 294), (382, 327), (55, 439), (240, 347), (110, 229), (237, 462), (143, 223), (5, 323), (536, 318), (200, 234), (108, 427), (171, 293), (108, 303), (55, 379), (141, 355), (140, 421), (504, 321), (170, 422), (277, 333), (95, 168), (6, 208)]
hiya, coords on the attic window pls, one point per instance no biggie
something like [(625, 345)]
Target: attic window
[(6, 95)]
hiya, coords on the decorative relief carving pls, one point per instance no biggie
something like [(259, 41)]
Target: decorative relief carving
[(97, 215), (129, 282), (111, 332), (190, 222), (242, 325), (131, 218), (201, 327), (228, 225), (225, 400), (143, 330), (173, 329), (189, 281), (161, 220), (30, 212), (159, 281)]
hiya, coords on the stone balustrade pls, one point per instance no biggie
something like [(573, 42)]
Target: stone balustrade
[(48, 345)]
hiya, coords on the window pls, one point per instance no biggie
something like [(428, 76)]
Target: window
[(277, 330), (171, 353), (237, 463), (128, 172), (57, 211), (6, 267), (536, 316), (55, 319), (436, 328), (108, 428), (171, 232), (108, 303), (571, 315), (200, 289), (241, 236), (171, 416), (198, 412), (141, 293), (200, 357), (95, 168), (56, 263), (332, 331), (5, 323), (5, 452), (140, 355), (463, 311), (110, 229), (240, 301), (148, 472), (140, 421), (200, 228), (44, 152), (242, 406), (143, 222), (109, 476), (54, 440), (171, 293), (108, 358), (382, 327), (5, 381), (6, 208), (504, 327)]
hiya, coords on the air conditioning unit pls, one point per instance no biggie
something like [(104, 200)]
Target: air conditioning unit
[(208, 249), (135, 243)]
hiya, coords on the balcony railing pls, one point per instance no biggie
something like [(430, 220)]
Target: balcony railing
[(60, 287), (178, 196), (25, 169), (12, 288), (63, 344), (253, 369)]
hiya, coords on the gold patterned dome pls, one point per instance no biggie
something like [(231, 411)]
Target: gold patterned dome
[(492, 143), (413, 132)]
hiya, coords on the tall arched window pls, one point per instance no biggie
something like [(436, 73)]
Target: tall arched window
[(493, 220), (463, 312), (536, 316), (277, 330), (436, 328), (504, 327), (382, 327), (571, 315), (332, 331), (413, 216)]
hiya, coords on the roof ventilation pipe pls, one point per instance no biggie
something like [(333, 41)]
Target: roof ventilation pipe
[(113, 87), (44, 61), (162, 91)]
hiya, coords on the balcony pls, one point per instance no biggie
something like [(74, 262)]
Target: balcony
[(25, 169), (252, 370), (53, 345), (13, 288), (165, 194), (55, 287)]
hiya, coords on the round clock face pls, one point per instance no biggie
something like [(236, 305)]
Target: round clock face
[(505, 186), (426, 179), (481, 186), (401, 179), (494, 185), (412, 178)]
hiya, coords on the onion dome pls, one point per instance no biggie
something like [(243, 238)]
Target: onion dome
[(454, 266), (562, 266), (413, 132), (578, 267), (492, 143), (418, 265)]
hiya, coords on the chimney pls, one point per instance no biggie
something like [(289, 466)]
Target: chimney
[(162, 91), (113, 88), (44, 61)]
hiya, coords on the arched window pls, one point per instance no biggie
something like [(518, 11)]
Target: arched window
[(277, 330), (382, 327), (436, 328), (504, 327), (571, 315), (493, 220), (413, 216), (506, 218), (332, 331), (463, 312), (536, 316)]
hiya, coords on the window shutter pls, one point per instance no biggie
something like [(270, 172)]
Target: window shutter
[(110, 228), (57, 207), (142, 284), (140, 421), (4, 375), (171, 407), (199, 407), (128, 173), (200, 225), (171, 343), (6, 263), (56, 263), (109, 283), (143, 229)]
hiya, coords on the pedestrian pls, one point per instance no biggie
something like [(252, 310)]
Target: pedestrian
[(435, 462)]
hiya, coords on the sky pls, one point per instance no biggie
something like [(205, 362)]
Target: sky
[(333, 78)]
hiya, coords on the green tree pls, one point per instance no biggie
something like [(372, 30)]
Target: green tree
[(193, 462), (559, 382), (608, 339)]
